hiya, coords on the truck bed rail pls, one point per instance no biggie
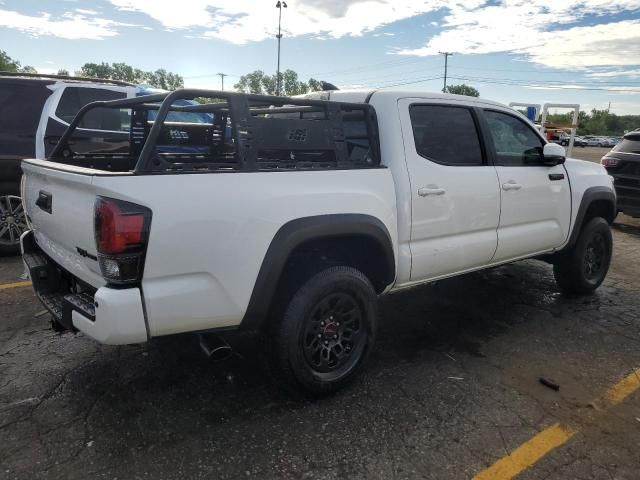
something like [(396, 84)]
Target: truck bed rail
[(243, 132)]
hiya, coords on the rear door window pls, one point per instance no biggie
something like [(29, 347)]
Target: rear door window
[(74, 98), (446, 134)]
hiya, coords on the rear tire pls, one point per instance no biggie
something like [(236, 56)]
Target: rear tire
[(327, 332), (584, 267), (12, 221)]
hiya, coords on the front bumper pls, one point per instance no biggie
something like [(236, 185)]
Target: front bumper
[(108, 315)]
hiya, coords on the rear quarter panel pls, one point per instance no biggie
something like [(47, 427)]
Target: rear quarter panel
[(210, 232)]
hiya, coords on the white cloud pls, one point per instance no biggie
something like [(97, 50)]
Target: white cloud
[(569, 86), (615, 73), (72, 26), (254, 20), (607, 44), (538, 29)]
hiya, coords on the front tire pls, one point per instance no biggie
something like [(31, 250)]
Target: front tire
[(327, 331), (584, 267)]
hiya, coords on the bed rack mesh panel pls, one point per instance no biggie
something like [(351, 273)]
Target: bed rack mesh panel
[(233, 132)]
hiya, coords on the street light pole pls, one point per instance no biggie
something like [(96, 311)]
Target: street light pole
[(280, 5)]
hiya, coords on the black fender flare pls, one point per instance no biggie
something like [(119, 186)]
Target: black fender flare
[(296, 232), (590, 195)]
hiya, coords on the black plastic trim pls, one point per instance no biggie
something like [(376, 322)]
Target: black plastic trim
[(294, 234), (590, 195)]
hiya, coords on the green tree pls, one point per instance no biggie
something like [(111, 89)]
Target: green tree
[(161, 78), (95, 70), (291, 85), (462, 89), (63, 71), (253, 83), (598, 122), (259, 83), (124, 72), (8, 64)]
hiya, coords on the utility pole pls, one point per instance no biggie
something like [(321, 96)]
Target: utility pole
[(280, 5), (446, 57), (222, 75)]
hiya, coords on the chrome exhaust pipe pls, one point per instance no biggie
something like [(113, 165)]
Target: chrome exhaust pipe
[(215, 347)]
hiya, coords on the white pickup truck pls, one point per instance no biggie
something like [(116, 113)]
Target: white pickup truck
[(298, 214)]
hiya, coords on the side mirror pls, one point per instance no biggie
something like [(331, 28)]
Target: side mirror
[(553, 154)]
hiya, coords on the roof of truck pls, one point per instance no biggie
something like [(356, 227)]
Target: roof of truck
[(66, 78), (362, 95)]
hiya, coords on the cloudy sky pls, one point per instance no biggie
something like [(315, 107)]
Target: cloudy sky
[(585, 52)]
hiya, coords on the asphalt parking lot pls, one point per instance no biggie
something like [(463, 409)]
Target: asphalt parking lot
[(452, 391)]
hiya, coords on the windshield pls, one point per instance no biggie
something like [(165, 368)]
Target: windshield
[(182, 117)]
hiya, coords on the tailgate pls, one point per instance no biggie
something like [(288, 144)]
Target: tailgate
[(59, 203)]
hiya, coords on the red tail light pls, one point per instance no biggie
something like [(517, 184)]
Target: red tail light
[(121, 230), (609, 162)]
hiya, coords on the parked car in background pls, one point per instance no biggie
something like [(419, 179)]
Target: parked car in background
[(607, 142), (579, 142), (590, 141), (623, 164), (36, 110)]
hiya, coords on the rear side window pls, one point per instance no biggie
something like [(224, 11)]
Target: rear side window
[(629, 144), (21, 106), (74, 98), (515, 141), (446, 134)]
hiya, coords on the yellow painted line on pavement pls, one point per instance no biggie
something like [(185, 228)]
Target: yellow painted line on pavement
[(528, 454), (5, 286), (623, 388)]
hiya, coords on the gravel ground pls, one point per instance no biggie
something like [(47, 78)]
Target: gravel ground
[(452, 387)]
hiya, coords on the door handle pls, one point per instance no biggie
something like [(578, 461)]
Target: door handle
[(44, 201), (511, 185), (431, 190), (556, 176)]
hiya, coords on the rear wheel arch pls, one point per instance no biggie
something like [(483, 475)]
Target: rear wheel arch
[(304, 246)]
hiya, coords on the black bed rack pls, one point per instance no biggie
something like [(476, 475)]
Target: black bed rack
[(267, 133)]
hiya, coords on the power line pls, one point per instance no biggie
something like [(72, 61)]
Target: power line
[(210, 75), (410, 82), (358, 69), (391, 76), (545, 85)]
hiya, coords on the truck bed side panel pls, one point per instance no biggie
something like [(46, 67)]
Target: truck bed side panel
[(210, 232)]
